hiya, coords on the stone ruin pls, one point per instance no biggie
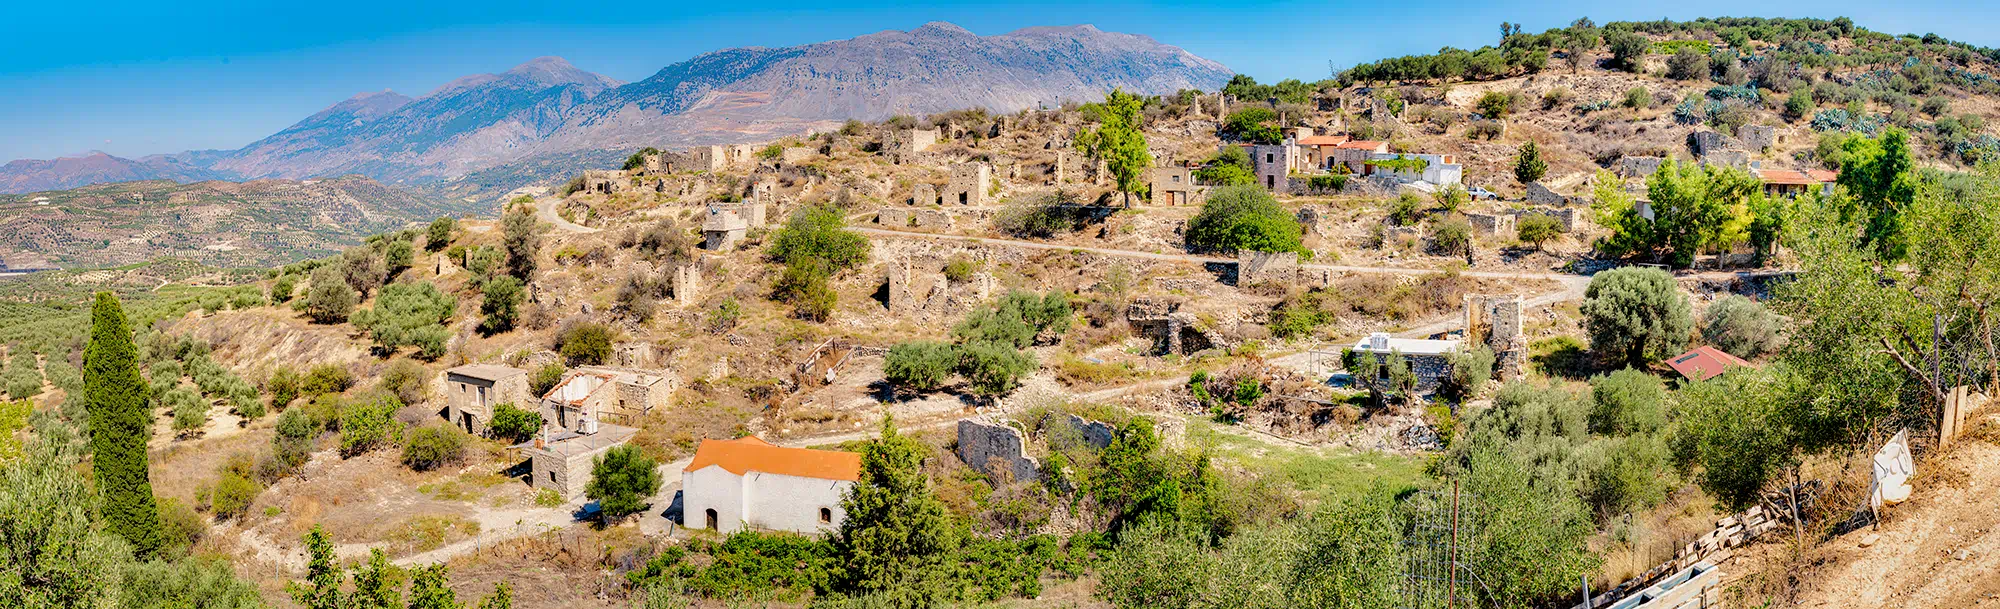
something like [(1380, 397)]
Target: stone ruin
[(1757, 137), (723, 229), (1715, 148), (970, 184), (1492, 224), (906, 297), (796, 155), (924, 193), (1260, 267), (686, 283), (903, 145), (1495, 321), (897, 217), (1638, 166), (1173, 331), (1570, 218), (605, 181), (932, 218), (999, 450)]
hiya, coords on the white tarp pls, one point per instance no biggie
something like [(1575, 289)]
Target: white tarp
[(1893, 469)]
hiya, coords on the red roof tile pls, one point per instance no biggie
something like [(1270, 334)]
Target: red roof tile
[(749, 454), (1324, 140), (1361, 145), (1705, 363)]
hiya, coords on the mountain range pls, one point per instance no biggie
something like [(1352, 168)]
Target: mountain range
[(549, 114)]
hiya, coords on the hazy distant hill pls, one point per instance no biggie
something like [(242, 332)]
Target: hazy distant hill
[(545, 111), (256, 223)]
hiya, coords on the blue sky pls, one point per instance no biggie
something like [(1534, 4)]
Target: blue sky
[(135, 78)]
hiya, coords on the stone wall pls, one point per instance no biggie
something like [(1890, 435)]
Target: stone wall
[(1098, 434), (933, 218), (687, 283), (970, 184), (1492, 224), (896, 217), (1571, 218), (1757, 137), (1495, 321), (1639, 166), (924, 193), (1257, 267), (997, 450)]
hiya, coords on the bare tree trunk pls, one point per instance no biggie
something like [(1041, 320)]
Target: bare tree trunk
[(1798, 523)]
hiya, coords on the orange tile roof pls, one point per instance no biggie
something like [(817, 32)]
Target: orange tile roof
[(1705, 363), (1361, 145), (1799, 178), (749, 454), (1324, 140)]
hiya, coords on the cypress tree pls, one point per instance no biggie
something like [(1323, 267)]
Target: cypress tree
[(120, 425)]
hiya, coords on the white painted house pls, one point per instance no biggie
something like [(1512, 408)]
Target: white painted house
[(749, 483)]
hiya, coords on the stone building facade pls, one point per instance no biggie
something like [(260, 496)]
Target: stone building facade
[(1261, 267), (601, 394), (971, 184), (1495, 321), (472, 390), (1429, 360), (561, 460), (1174, 185)]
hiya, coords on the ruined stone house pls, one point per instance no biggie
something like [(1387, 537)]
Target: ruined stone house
[(747, 483), (903, 145), (971, 184), (1495, 321), (1429, 360), (1173, 331), (472, 390), (1175, 185), (592, 395), (561, 459)]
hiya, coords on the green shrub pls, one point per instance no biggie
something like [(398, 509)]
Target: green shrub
[(24, 378), (585, 344), (514, 424), (805, 285), (407, 380), (1453, 236), (284, 385), (409, 314), (1537, 229), (921, 365), (1627, 402), (431, 446), (1496, 104), (327, 378), (190, 411), (546, 377), (994, 368), (620, 482), (1638, 98), (330, 299), (233, 494), (1470, 370), (501, 305), (1742, 327), (438, 235), (1636, 315), (283, 287), (367, 424), (820, 232), (1243, 218)]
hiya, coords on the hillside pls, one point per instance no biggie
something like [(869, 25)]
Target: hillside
[(1294, 387), (548, 112), (256, 223)]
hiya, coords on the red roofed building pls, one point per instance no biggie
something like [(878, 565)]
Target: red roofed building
[(1788, 183), (749, 483), (1356, 154), (1705, 362)]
